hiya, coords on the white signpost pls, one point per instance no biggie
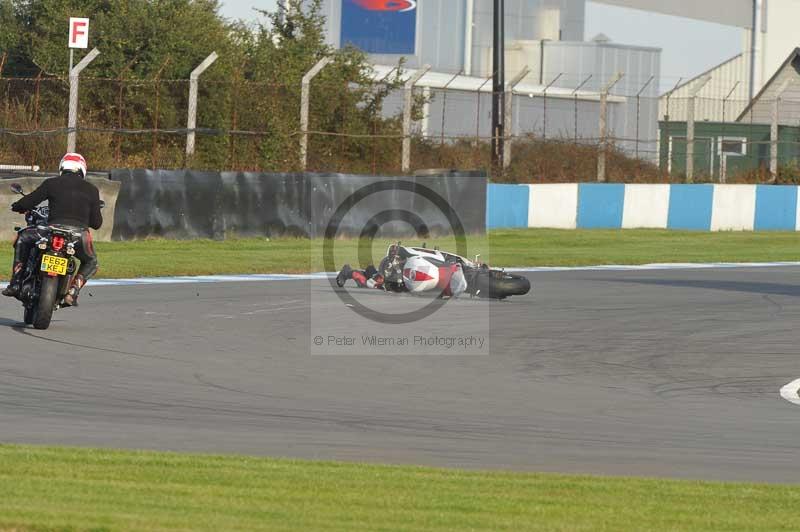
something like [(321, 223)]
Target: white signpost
[(79, 33), (78, 38)]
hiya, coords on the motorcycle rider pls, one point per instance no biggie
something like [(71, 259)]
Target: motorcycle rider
[(367, 278), (416, 274), (74, 203), (370, 277)]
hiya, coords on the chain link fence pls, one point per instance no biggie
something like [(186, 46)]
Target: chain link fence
[(730, 140), (553, 134)]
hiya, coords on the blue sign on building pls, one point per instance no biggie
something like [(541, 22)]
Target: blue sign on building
[(380, 26)]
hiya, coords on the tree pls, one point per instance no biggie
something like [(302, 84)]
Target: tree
[(140, 82), (9, 36), (345, 98)]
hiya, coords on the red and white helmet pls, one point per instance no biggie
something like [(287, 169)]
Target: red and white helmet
[(420, 275), (73, 162)]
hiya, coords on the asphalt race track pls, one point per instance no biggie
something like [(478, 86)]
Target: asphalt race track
[(654, 373)]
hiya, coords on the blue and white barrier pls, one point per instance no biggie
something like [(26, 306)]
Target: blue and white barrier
[(617, 206)]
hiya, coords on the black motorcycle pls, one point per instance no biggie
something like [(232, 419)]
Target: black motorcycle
[(51, 266)]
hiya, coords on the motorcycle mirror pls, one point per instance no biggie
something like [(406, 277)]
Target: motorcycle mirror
[(17, 188)]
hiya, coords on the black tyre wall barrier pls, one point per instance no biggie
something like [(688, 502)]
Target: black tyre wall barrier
[(185, 204)]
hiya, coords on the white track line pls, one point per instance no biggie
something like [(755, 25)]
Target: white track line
[(542, 269), (208, 279), (791, 392), (657, 266)]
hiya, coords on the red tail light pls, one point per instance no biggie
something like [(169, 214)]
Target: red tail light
[(58, 243)]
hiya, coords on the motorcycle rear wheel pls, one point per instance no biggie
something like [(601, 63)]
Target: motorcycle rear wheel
[(43, 312), (28, 315)]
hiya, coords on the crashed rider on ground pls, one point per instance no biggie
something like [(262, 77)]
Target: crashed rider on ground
[(370, 277), (367, 278), (451, 279), (74, 203)]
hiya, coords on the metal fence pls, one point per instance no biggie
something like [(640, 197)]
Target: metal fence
[(429, 120), (727, 140)]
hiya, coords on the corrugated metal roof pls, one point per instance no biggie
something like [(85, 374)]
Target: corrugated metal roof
[(442, 80), (787, 73)]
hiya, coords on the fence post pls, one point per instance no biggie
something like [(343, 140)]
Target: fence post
[(444, 105), (2, 66), (509, 131), (426, 112), (601, 156), (723, 159), (478, 115), (544, 105), (666, 128), (191, 123), (690, 127), (728, 97), (304, 104), (72, 121), (407, 104), (575, 97), (639, 111), (774, 132)]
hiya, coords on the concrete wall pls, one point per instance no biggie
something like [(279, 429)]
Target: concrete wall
[(109, 191), (618, 206)]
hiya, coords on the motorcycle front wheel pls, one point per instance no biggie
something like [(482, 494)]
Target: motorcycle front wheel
[(497, 284), (43, 311)]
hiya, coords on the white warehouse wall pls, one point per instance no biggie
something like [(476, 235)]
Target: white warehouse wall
[(442, 36), (782, 36)]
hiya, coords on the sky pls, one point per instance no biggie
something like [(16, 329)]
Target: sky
[(701, 45), (689, 47)]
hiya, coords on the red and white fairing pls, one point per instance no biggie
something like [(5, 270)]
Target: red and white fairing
[(421, 275)]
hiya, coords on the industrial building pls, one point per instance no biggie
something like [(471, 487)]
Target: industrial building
[(723, 148), (769, 35), (559, 98)]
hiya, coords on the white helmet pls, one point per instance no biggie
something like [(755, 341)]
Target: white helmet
[(73, 162), (420, 275)]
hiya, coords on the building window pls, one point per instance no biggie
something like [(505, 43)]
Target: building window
[(732, 146)]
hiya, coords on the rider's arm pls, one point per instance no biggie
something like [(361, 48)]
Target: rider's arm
[(95, 216), (33, 199)]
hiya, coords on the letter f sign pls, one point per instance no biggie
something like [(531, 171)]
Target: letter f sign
[(79, 33)]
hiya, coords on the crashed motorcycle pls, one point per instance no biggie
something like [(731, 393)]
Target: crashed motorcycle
[(419, 270), (50, 268)]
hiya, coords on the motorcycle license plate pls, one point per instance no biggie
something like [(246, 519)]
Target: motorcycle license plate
[(57, 265)]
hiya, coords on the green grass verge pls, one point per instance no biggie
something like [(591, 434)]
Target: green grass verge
[(59, 489), (526, 247)]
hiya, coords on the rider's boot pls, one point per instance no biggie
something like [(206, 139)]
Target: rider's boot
[(71, 299), (345, 275), (15, 284)]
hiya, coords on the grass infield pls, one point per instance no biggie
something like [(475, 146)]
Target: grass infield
[(67, 489), (524, 247)]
